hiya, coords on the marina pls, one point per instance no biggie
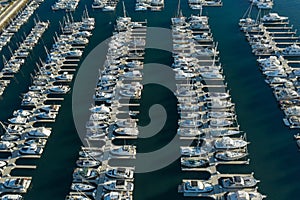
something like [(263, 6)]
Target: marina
[(39, 146)]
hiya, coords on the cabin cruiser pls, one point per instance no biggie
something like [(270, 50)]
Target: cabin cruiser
[(230, 155), (128, 131), (77, 197), (293, 121), (194, 162), (229, 143), (273, 17), (125, 150), (187, 132), (238, 182), (220, 114), (293, 50), (100, 109), (193, 151), (11, 197), (220, 132), (88, 163), (219, 104), (85, 173), (216, 95), (20, 184), (59, 89), (220, 122), (38, 132), (196, 186), (6, 145), (118, 185), (293, 110), (82, 186), (117, 196), (31, 149), (120, 173), (18, 120), (10, 137), (126, 123), (188, 123), (242, 194)]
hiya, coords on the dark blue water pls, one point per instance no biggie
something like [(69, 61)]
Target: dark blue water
[(273, 152)]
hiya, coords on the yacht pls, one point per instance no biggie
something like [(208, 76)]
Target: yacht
[(125, 150), (293, 110), (85, 173), (117, 196), (193, 151), (18, 120), (38, 132), (118, 185), (293, 50), (187, 132), (77, 197), (19, 184), (238, 182), (59, 89), (230, 155), (6, 145), (229, 143), (100, 109), (219, 114), (120, 173), (194, 162), (188, 123), (216, 95), (132, 131), (242, 194), (82, 187), (11, 197), (220, 122), (32, 149), (196, 186), (273, 17), (88, 163)]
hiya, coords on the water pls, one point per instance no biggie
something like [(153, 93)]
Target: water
[(273, 153)]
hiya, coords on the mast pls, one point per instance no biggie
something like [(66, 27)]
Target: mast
[(178, 9)]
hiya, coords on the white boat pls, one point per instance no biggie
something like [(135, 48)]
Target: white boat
[(192, 151), (219, 114), (6, 145), (242, 194), (238, 182), (77, 197), (59, 89), (38, 132), (220, 122), (120, 173), (100, 109), (229, 143), (118, 185), (194, 162), (32, 149), (82, 187), (196, 186), (293, 50), (85, 173), (17, 183), (117, 196), (18, 120), (189, 123), (125, 150), (128, 131), (88, 163), (273, 17), (230, 155), (11, 197), (187, 132)]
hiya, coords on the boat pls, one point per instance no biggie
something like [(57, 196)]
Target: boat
[(38, 132), (187, 132), (82, 187), (238, 182), (125, 150), (85, 173), (6, 145), (11, 197), (120, 173), (220, 114), (242, 194), (193, 151), (229, 143), (88, 163), (132, 131), (19, 184), (230, 155), (196, 186), (220, 122), (77, 197), (293, 50), (273, 17), (192, 162), (117, 196), (32, 149), (118, 185)]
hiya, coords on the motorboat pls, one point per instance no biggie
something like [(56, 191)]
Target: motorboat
[(125, 150), (118, 185), (32, 149), (38, 132), (194, 162), (193, 151), (113, 195), (20, 184), (128, 131), (230, 155), (238, 182), (82, 187), (100, 109), (219, 114), (88, 163), (273, 17), (85, 173), (188, 123), (77, 197), (242, 194), (6, 145), (220, 122), (187, 132), (196, 186), (293, 50), (229, 143), (120, 173), (11, 197)]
